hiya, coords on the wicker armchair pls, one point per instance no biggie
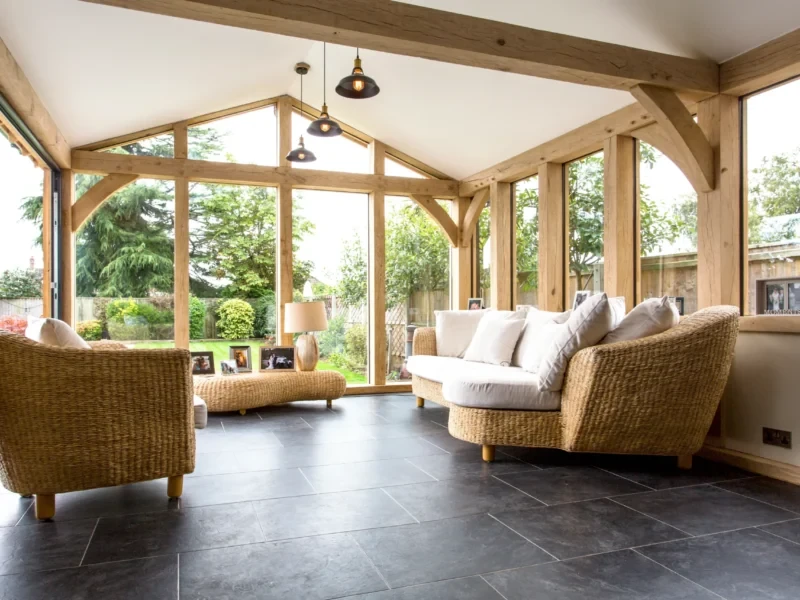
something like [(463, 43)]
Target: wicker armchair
[(657, 395), (79, 419)]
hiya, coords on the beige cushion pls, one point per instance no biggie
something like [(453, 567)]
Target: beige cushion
[(535, 319), (200, 413), (495, 340), (540, 344), (588, 324), (481, 385), (454, 330), (54, 333), (617, 305), (651, 317)]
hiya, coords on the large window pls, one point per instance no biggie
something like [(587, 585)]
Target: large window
[(668, 230), (773, 200), (338, 153), (246, 138), (484, 256), (417, 278), (526, 202), (585, 224), (21, 255), (330, 264)]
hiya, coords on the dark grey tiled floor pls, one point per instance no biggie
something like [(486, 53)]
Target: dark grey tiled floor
[(373, 500)]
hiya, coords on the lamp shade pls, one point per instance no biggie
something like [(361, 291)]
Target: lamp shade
[(305, 316)]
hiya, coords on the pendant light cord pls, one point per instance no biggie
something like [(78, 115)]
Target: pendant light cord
[(324, 72), (302, 113)]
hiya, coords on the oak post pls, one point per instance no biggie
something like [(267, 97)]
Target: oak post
[(461, 260), (377, 289), (284, 269), (619, 219), (501, 234), (552, 237), (181, 282), (67, 293)]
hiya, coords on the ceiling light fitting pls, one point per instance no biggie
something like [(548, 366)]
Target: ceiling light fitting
[(301, 154), (324, 126), (357, 85)]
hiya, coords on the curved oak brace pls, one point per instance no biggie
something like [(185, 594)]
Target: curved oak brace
[(474, 211), (655, 135), (439, 215), (686, 136), (96, 195)]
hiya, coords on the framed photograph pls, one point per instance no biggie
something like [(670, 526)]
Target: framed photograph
[(794, 297), (475, 304), (679, 302), (241, 354), (524, 307), (776, 299), (228, 367), (580, 298), (276, 358), (202, 363)]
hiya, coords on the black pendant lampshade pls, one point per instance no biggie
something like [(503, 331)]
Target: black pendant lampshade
[(357, 85), (300, 154), (324, 126)]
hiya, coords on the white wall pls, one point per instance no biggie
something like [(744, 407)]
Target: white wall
[(763, 391)]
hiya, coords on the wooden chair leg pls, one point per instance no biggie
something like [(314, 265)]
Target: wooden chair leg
[(175, 486), (242, 411), (45, 506), (420, 402), (329, 403), (488, 453), (685, 462)]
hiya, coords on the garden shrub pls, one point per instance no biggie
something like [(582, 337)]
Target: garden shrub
[(331, 341), (91, 331), (236, 318), (13, 324), (197, 318), (355, 345), (138, 313), (265, 322)]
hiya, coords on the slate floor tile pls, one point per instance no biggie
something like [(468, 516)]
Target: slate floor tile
[(363, 475), (789, 530), (44, 546), (738, 565), (459, 497), (316, 568), (590, 527), (547, 458), (662, 472), (467, 588), (150, 579), (242, 487), (570, 484), (622, 575), (304, 516), (215, 463), (219, 440), (447, 442), (704, 509), (468, 463), (140, 536), (403, 430), (778, 493), (323, 434), (266, 423), (447, 549)]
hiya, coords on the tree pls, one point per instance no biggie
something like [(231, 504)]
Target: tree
[(352, 286), (21, 283), (527, 236), (775, 192)]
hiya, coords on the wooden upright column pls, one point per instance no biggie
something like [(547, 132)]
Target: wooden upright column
[(47, 242), (619, 221), (181, 242), (67, 294), (284, 272), (461, 260), (719, 212), (284, 130), (552, 237), (377, 271), (501, 240)]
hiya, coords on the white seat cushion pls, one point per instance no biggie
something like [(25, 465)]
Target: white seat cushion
[(200, 413), (53, 332), (480, 385)]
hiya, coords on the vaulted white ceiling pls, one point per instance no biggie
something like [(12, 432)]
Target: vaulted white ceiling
[(105, 71)]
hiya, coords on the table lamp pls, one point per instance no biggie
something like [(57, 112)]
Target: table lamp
[(303, 317)]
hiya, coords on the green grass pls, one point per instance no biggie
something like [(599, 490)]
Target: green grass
[(220, 350)]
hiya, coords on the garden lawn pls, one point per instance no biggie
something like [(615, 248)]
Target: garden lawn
[(220, 350)]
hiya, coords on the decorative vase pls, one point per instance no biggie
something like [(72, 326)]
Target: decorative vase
[(307, 352)]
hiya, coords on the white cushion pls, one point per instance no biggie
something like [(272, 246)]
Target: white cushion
[(540, 344), (54, 333), (200, 413), (588, 324), (454, 330), (651, 317), (535, 319), (494, 341), (617, 305), (481, 385)]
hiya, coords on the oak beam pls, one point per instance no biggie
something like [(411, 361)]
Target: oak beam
[(619, 219), (154, 167), (461, 261), (284, 269), (18, 91), (552, 237), (471, 216), (439, 216), (411, 30), (377, 288), (686, 135), (284, 130), (501, 236), (655, 135), (770, 63), (94, 197)]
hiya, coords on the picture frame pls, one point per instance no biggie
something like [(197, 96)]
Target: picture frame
[(276, 359), (203, 363), (243, 357), (525, 307), (475, 304), (228, 367), (678, 301), (580, 298)]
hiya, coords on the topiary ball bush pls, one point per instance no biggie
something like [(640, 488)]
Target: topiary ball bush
[(236, 318)]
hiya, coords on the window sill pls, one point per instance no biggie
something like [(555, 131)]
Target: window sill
[(770, 324)]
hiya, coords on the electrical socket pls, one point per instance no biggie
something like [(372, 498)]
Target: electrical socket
[(777, 437)]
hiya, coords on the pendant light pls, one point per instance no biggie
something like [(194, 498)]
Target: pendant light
[(357, 85), (300, 154), (324, 126)]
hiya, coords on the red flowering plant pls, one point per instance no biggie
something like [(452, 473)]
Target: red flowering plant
[(13, 323)]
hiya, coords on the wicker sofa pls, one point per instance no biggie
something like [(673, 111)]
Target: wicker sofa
[(656, 395), (80, 419)]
